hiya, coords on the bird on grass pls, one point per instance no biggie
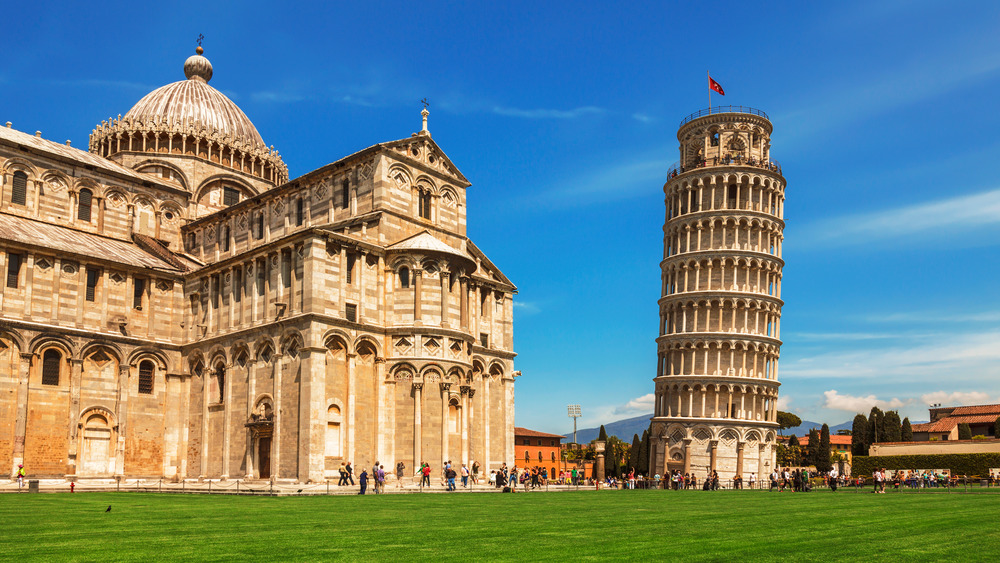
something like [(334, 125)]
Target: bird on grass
[(109, 508), (299, 491)]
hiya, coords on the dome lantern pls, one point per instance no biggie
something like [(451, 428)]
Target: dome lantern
[(197, 67)]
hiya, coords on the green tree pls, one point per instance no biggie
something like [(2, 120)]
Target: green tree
[(906, 431), (964, 431), (788, 420), (844, 432), (602, 436), (823, 456), (996, 428), (859, 435), (794, 451), (633, 453), (893, 427), (812, 454), (643, 467), (876, 426)]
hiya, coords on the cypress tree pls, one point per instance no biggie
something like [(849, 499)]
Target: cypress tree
[(996, 428), (793, 450), (859, 436), (893, 428), (964, 431), (633, 454), (813, 454), (876, 426), (906, 431), (602, 436), (823, 455), (643, 467)]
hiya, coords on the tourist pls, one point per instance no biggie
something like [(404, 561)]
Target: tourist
[(513, 477), (751, 480), (343, 476), (350, 473), (449, 475), (363, 480), (380, 480), (426, 475), (475, 472), (493, 478), (399, 474), (833, 479), (465, 476), (21, 474)]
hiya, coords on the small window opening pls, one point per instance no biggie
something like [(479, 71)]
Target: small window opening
[(404, 277), (345, 194), (300, 214), (93, 275), (146, 377), (230, 196), (260, 226), (425, 205), (83, 208), (13, 269), (351, 312), (715, 139), (50, 367), (349, 274), (226, 232), (19, 193), (139, 290), (484, 340)]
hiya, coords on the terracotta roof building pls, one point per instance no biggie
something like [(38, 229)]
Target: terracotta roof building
[(944, 422)]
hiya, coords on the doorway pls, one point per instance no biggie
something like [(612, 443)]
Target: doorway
[(264, 457)]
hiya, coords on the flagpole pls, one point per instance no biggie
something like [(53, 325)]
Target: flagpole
[(709, 92)]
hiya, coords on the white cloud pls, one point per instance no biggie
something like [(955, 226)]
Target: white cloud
[(961, 213), (924, 358), (783, 402), (526, 307), (956, 398), (638, 405), (547, 113), (851, 403), (640, 176), (642, 117)]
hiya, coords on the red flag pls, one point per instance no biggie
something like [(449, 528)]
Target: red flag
[(712, 84)]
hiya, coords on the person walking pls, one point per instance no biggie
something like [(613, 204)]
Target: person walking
[(350, 473), (399, 474), (465, 476), (475, 472), (343, 476), (21, 474), (363, 480), (380, 480), (449, 475)]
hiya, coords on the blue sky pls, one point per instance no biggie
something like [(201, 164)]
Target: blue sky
[(564, 117)]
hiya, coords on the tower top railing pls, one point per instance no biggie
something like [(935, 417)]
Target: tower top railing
[(727, 160), (723, 109)]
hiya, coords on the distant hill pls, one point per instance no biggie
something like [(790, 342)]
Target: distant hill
[(624, 429)]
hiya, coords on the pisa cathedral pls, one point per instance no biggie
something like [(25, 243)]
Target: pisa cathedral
[(716, 385), (175, 307)]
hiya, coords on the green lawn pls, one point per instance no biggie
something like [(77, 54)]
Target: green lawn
[(570, 526)]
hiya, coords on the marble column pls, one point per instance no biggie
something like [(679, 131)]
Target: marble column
[(417, 391)]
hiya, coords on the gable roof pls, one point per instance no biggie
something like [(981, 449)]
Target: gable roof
[(444, 166)]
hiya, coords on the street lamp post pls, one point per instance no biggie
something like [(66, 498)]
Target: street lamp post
[(574, 413)]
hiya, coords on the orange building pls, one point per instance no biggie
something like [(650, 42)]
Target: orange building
[(538, 449)]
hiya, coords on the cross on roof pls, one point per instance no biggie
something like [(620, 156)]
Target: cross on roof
[(424, 101), (200, 37)]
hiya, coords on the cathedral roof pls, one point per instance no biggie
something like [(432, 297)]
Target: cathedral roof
[(67, 241), (194, 101)]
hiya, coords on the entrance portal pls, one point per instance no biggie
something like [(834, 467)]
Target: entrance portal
[(264, 457)]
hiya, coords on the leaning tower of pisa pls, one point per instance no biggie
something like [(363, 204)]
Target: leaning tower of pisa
[(720, 304)]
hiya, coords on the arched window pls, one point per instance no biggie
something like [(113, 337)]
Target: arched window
[(19, 194), (146, 377), (219, 382), (527, 456), (404, 277), (50, 367), (333, 431), (260, 226), (539, 456), (225, 238), (83, 206), (553, 456), (715, 139), (425, 205)]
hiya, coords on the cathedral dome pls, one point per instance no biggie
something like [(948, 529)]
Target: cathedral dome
[(191, 118), (194, 101)]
